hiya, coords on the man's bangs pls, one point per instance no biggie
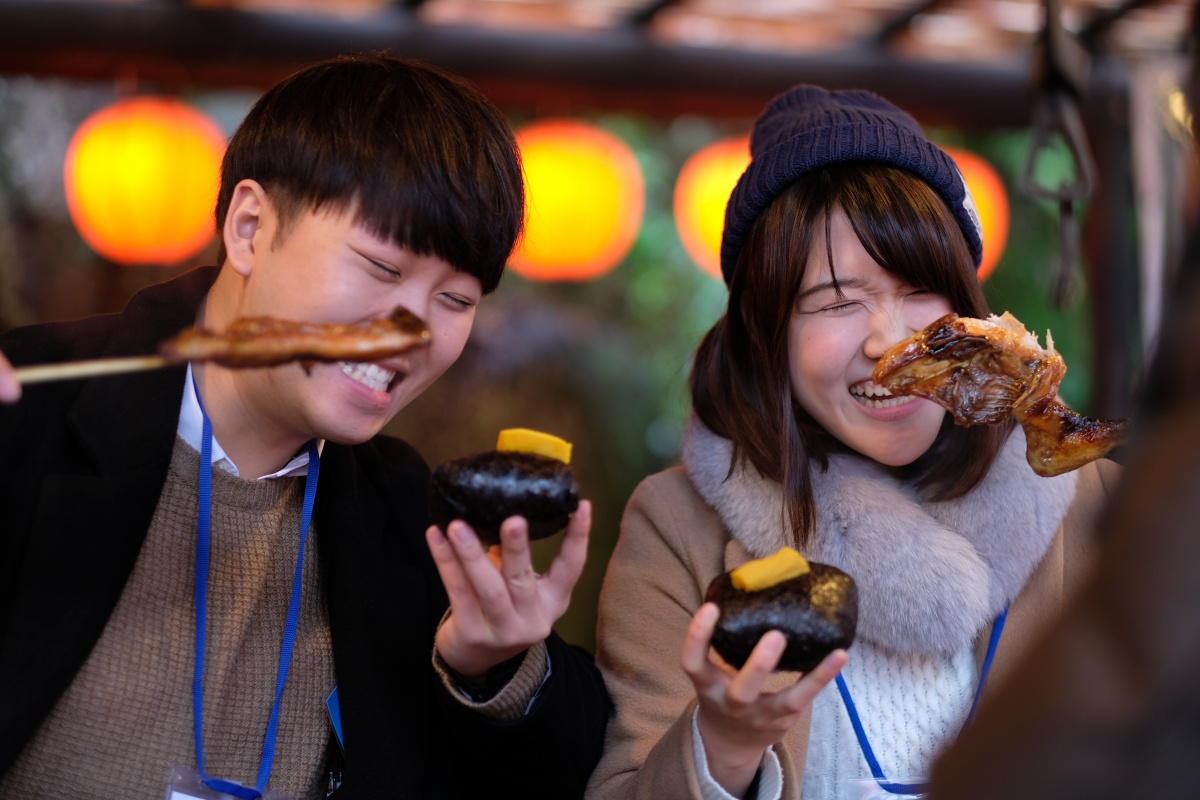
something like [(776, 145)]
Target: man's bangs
[(429, 222)]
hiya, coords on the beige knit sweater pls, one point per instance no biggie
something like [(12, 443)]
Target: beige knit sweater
[(126, 719)]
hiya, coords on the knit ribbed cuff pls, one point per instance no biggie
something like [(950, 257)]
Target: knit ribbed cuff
[(512, 701)]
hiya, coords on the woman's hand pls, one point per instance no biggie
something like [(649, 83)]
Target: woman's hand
[(737, 720), (499, 606), (10, 389)]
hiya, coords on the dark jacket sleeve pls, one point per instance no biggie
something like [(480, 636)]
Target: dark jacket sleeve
[(550, 752)]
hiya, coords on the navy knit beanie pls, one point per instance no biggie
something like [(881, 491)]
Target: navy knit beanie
[(808, 127)]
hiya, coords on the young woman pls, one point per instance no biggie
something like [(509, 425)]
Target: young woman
[(848, 232)]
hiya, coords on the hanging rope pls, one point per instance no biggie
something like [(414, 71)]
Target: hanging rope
[(1058, 76)]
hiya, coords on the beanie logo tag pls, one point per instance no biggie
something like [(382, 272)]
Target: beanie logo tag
[(969, 205)]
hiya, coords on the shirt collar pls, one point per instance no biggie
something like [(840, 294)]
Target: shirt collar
[(191, 430)]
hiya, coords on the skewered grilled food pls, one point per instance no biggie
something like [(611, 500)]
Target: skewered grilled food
[(266, 342), (255, 342), (527, 475), (815, 607), (985, 371)]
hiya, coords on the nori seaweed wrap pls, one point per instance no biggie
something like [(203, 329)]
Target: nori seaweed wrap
[(817, 612), (487, 488)]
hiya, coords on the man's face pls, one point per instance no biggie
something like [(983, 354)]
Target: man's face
[(327, 269)]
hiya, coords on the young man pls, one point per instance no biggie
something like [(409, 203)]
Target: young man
[(163, 626)]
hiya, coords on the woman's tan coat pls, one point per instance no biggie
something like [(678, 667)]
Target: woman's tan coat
[(672, 544)]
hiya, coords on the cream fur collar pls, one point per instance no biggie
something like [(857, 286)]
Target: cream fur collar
[(930, 575)]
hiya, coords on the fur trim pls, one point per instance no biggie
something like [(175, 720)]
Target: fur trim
[(930, 575)]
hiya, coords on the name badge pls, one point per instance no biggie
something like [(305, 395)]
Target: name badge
[(185, 784)]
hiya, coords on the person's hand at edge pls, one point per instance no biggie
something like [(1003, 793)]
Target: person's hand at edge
[(10, 388)]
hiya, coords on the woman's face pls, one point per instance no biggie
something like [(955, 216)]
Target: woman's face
[(834, 341)]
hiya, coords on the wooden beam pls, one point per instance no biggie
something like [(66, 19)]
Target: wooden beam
[(622, 69)]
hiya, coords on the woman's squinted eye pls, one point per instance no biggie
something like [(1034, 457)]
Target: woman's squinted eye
[(845, 305)]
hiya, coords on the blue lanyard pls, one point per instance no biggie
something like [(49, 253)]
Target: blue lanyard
[(203, 543), (860, 732)]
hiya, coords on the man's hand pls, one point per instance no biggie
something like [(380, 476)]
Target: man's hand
[(10, 389), (499, 606)]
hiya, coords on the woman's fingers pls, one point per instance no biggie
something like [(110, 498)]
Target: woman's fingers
[(747, 684), (800, 695), (694, 655)]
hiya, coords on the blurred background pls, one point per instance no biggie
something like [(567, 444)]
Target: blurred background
[(1066, 118)]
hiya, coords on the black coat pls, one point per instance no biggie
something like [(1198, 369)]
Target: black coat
[(81, 467)]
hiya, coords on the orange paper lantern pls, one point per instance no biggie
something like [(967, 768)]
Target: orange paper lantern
[(991, 201), (585, 198), (141, 180), (701, 193)]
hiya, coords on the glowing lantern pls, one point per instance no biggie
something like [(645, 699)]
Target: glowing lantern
[(991, 200), (701, 192), (141, 180), (586, 197)]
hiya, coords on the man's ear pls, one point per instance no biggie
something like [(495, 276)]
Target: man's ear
[(249, 226)]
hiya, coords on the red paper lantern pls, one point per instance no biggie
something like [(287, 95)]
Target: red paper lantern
[(141, 180), (701, 193), (585, 197), (991, 201)]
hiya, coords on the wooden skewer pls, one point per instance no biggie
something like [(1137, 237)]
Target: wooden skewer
[(87, 369)]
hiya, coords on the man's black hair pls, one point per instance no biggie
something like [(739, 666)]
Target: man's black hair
[(426, 160)]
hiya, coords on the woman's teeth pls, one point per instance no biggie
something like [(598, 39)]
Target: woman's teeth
[(370, 375), (876, 396)]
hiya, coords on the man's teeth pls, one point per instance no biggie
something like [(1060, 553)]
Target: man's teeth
[(876, 396), (371, 375)]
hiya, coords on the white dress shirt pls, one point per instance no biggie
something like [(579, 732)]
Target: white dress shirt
[(191, 430)]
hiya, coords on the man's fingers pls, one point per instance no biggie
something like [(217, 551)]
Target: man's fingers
[(458, 588), (516, 559), (478, 571), (567, 566)]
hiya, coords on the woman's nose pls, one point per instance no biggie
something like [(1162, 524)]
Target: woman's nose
[(885, 329)]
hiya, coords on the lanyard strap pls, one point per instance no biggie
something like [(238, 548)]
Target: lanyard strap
[(861, 733), (203, 544)]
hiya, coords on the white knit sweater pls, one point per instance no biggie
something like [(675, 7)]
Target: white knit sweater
[(910, 706)]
